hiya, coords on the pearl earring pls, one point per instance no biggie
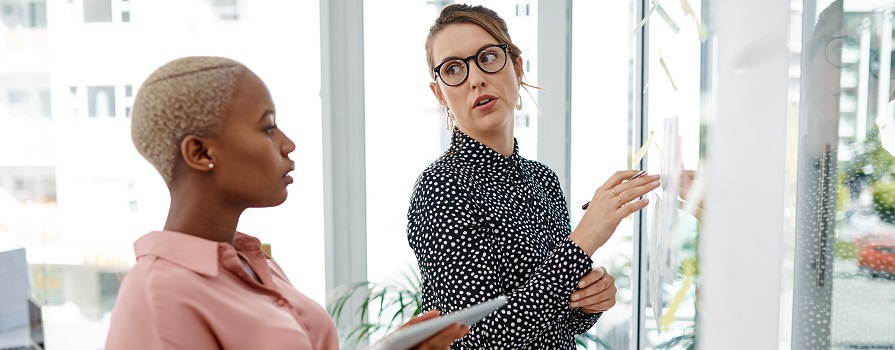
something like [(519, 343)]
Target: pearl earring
[(210, 165)]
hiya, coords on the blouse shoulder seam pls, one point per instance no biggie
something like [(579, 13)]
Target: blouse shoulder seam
[(153, 307)]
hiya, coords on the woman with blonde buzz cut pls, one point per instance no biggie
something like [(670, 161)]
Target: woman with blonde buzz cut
[(208, 125)]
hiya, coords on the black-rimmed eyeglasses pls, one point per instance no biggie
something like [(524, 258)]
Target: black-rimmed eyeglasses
[(835, 46), (490, 59)]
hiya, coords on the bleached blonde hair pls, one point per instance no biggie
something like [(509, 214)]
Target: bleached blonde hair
[(187, 96)]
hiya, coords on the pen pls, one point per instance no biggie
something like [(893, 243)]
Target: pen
[(639, 174)]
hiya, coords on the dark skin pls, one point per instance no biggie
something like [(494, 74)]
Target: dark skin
[(250, 158)]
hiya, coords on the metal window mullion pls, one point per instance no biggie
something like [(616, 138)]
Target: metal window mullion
[(344, 174), (554, 73), (640, 120)]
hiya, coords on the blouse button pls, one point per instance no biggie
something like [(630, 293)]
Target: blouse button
[(281, 302)]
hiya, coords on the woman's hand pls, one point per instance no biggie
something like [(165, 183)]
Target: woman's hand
[(443, 339), (596, 292), (611, 203)]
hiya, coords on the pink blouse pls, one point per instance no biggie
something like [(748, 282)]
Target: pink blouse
[(187, 292)]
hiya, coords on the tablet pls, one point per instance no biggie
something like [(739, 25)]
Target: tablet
[(410, 336)]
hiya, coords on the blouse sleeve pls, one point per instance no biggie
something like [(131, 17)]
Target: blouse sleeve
[(578, 321), (455, 246)]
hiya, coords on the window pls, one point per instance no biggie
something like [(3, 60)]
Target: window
[(101, 101), (673, 69), (97, 11), (128, 100), (30, 14), (21, 185), (389, 183), (109, 283), (13, 13), (840, 165), (19, 104), (605, 136), (523, 9), (602, 121), (47, 282), (124, 6), (48, 189), (29, 103), (230, 10), (29, 184), (74, 102), (37, 14), (522, 120), (44, 106)]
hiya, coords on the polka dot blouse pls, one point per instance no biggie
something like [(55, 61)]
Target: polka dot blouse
[(484, 225)]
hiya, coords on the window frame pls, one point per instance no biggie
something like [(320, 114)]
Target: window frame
[(344, 154)]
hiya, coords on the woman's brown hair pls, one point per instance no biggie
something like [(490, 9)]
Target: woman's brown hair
[(481, 16), (488, 20)]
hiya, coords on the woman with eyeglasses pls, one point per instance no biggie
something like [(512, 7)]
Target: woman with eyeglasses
[(209, 126), (484, 221)]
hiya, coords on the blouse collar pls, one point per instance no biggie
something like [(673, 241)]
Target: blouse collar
[(471, 151), (204, 256)]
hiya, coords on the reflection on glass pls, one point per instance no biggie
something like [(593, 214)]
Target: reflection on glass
[(843, 278)]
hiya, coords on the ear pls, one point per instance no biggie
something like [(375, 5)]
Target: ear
[(194, 151), (438, 95), (518, 68)]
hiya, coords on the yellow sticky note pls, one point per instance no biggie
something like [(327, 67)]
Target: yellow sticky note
[(642, 151), (646, 18), (703, 33), (667, 73), (667, 18)]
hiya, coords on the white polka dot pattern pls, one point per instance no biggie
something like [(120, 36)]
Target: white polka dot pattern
[(483, 225)]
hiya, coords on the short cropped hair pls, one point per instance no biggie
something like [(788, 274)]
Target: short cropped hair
[(187, 96)]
